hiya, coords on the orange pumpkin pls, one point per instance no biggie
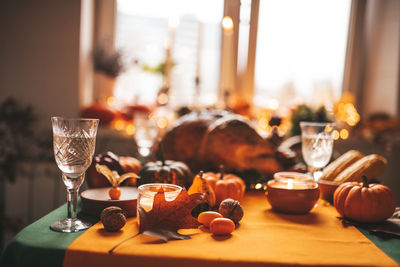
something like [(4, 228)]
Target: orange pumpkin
[(363, 202), (225, 185)]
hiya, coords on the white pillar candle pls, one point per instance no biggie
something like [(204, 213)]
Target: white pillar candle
[(227, 65)]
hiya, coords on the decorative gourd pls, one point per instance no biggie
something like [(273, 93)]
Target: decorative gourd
[(115, 179), (200, 185), (115, 163), (370, 166), (166, 171), (225, 185), (363, 202), (331, 171)]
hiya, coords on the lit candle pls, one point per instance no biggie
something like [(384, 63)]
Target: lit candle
[(148, 191), (227, 65), (292, 196), (291, 185)]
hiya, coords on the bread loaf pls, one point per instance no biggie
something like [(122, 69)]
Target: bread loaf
[(340, 164), (371, 166)]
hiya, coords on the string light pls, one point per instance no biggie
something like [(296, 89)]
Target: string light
[(344, 134), (263, 123), (162, 123), (336, 135), (346, 111), (162, 99), (130, 129), (118, 124)]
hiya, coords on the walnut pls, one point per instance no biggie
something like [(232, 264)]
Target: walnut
[(113, 218), (231, 209)]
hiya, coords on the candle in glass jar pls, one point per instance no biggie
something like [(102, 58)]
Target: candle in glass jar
[(146, 200), (148, 191)]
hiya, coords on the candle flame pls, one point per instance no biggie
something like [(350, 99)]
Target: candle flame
[(290, 184), (227, 23)]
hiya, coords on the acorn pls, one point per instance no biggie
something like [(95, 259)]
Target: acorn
[(231, 209), (113, 218)]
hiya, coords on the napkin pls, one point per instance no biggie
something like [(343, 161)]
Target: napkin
[(391, 226)]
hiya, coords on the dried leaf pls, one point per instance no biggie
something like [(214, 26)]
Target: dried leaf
[(113, 176), (167, 217)]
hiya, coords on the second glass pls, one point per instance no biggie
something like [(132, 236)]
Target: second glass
[(316, 145)]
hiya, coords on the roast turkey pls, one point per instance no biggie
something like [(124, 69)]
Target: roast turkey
[(206, 139)]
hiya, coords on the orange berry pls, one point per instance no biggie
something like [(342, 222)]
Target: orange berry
[(222, 226), (114, 193), (206, 217)]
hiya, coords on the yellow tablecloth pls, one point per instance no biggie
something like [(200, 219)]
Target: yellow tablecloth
[(264, 238)]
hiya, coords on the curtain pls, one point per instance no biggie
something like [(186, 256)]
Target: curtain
[(373, 55)]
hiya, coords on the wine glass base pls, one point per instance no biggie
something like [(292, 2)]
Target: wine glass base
[(70, 226), (317, 175)]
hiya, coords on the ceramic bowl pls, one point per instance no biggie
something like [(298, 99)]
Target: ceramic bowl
[(327, 189), (299, 199), (96, 199)]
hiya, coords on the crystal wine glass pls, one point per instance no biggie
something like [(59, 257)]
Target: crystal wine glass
[(317, 145), (74, 141)]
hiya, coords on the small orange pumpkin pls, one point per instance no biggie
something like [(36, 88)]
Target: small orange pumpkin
[(363, 202), (225, 185)]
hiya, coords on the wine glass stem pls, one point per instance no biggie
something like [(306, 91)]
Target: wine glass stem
[(314, 172), (72, 184), (72, 199)]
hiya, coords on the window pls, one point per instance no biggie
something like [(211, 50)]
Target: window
[(191, 29), (301, 49)]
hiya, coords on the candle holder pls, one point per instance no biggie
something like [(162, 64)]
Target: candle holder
[(293, 193), (148, 191)]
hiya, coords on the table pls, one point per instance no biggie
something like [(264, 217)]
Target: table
[(37, 245)]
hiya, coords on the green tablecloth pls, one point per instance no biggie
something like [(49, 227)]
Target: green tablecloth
[(37, 245), (388, 244)]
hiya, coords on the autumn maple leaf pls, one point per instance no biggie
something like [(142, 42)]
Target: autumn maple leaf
[(167, 217)]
